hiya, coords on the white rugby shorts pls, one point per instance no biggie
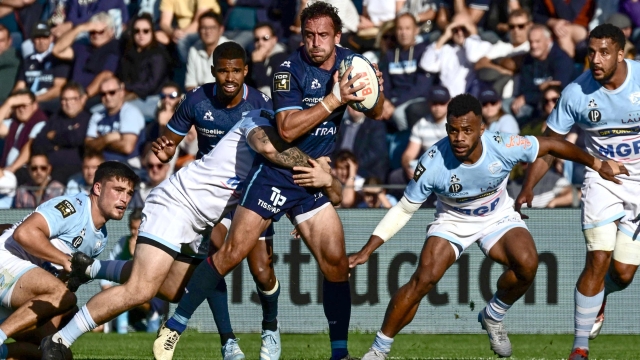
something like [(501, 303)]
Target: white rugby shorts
[(461, 234)]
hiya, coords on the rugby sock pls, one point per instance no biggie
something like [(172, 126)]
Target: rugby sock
[(269, 302), (586, 311), (3, 337), (382, 343), (218, 303), (337, 309), (80, 324), (203, 282), (611, 286), (106, 270), (496, 309), (4, 351)]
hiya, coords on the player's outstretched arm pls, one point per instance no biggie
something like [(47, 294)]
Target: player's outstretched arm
[(395, 219), (265, 141), (294, 123), (33, 236), (319, 176), (165, 146)]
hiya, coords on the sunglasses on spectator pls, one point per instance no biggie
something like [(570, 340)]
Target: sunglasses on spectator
[(94, 32), (41, 168), (459, 28), (171, 95), (144, 31), (552, 100), (110, 93), (155, 166), (489, 103), (519, 26), (263, 38)]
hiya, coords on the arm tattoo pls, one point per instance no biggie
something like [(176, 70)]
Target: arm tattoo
[(292, 157), (287, 156)]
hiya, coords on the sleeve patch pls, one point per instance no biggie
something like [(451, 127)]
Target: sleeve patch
[(418, 172), (65, 208), (282, 81)]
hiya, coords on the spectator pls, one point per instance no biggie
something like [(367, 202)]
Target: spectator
[(116, 130), (41, 72), (186, 14), (81, 11), (632, 9), (405, 82), (144, 67), (376, 12), (552, 191), (268, 53), (548, 101), (62, 138), (242, 17), (93, 62), (199, 64), (82, 181), (475, 10), (494, 116), (157, 172), (9, 64), (363, 136), (567, 20), (374, 196), (424, 11), (40, 186), (24, 122), (497, 18), (504, 59), (546, 65), (623, 22), (345, 168), (424, 134), (451, 60)]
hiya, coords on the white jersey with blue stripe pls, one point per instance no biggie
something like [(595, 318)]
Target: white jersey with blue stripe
[(214, 182), (470, 192), (71, 228), (609, 118)]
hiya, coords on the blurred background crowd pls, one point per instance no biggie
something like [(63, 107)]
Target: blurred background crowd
[(86, 81)]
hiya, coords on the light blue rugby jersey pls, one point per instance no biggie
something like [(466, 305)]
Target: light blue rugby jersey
[(70, 226), (469, 192), (610, 118)]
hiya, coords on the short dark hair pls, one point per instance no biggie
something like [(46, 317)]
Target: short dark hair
[(90, 154), (211, 15), (344, 155), (114, 169), (173, 85), (229, 50), (463, 104), (136, 214), (609, 31), (319, 9), (267, 25), (25, 91), (405, 14), (72, 85), (39, 153), (520, 12)]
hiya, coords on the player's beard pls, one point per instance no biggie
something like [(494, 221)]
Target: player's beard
[(466, 155), (606, 75)]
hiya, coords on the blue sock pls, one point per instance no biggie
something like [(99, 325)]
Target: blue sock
[(80, 324), (218, 303), (382, 343), (611, 286), (107, 270), (496, 309), (3, 337), (269, 302), (585, 314), (337, 309), (4, 352), (177, 322), (203, 283)]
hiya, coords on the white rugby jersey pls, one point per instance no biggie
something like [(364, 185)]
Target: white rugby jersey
[(609, 118), (212, 184), (470, 192)]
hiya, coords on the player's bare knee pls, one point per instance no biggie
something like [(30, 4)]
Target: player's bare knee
[(423, 281), (264, 277), (623, 275)]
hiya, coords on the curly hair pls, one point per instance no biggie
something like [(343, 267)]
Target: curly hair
[(463, 104), (319, 9), (609, 31)]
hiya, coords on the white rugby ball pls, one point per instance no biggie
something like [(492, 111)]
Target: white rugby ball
[(371, 91)]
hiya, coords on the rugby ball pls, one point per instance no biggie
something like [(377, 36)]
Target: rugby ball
[(371, 91)]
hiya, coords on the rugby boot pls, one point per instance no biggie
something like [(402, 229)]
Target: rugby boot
[(597, 326), (579, 354), (52, 350), (231, 350), (79, 264), (374, 354), (270, 348), (165, 343), (498, 337)]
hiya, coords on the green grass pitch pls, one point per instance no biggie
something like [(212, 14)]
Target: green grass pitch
[(195, 345)]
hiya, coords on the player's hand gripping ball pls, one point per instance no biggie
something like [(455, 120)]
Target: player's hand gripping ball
[(371, 91)]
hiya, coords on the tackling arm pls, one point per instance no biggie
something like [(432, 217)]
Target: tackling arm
[(266, 142)]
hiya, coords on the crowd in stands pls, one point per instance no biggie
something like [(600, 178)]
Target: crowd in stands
[(86, 81)]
